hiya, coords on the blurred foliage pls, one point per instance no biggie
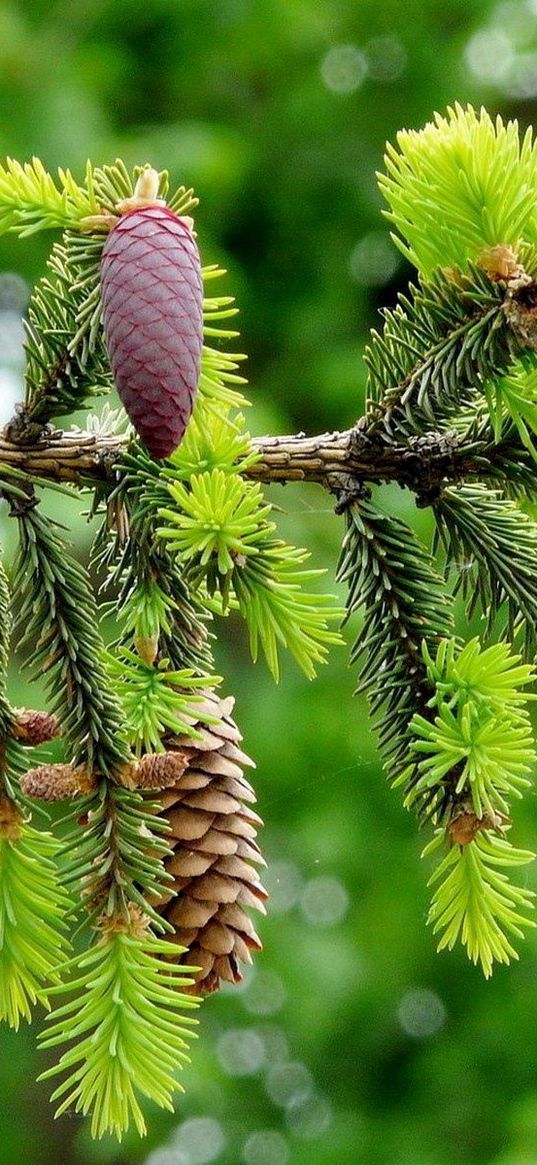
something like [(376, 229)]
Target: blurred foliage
[(353, 1041)]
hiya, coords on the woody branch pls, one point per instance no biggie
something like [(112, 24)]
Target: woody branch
[(333, 460)]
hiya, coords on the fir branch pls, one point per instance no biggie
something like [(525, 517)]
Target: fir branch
[(31, 200), (444, 338), (492, 546), (33, 907), (127, 1018), (475, 901), (463, 183), (392, 577), (57, 620)]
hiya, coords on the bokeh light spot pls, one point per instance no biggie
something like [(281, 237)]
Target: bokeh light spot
[(344, 68), (14, 292), (421, 1014), (11, 338), (289, 1084), (167, 1156), (309, 1118), (276, 1044), (266, 1147), (283, 881), (241, 1051), (374, 260), (324, 901), (200, 1140), (489, 55), (266, 993), (386, 58), (522, 82)]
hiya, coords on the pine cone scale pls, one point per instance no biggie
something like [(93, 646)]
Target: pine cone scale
[(217, 844), (189, 824)]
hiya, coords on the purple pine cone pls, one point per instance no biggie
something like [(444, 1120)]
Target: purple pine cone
[(153, 322)]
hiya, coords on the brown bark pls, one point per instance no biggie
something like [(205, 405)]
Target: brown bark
[(333, 460)]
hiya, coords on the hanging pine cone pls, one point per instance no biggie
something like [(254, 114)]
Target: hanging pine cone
[(152, 297), (215, 853)]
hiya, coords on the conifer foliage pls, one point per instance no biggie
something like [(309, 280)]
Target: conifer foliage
[(155, 862), (157, 851)]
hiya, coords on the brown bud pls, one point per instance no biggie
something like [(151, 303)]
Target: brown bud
[(58, 782), (500, 262), (465, 826), (161, 770), (11, 820), (33, 728)]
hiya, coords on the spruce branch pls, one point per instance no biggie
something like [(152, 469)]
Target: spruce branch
[(155, 699), (512, 398), (461, 184), (220, 528), (31, 200), (491, 544), (450, 415), (66, 363), (114, 852), (392, 577), (474, 749), (333, 459), (57, 620), (475, 901), (33, 904), (444, 338), (129, 1029), (33, 909), (490, 753)]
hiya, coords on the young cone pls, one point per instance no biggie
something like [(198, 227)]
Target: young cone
[(152, 310), (215, 854)]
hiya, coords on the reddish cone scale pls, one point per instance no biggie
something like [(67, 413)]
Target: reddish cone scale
[(153, 322)]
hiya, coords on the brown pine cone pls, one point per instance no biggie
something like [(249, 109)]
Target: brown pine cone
[(213, 832)]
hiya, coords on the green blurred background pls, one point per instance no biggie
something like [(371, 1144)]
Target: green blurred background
[(352, 1041)]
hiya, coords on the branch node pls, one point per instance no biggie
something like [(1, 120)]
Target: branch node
[(23, 430), (348, 490)]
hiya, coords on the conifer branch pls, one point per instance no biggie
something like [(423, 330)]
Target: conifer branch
[(57, 620), (187, 535), (392, 578), (330, 459)]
